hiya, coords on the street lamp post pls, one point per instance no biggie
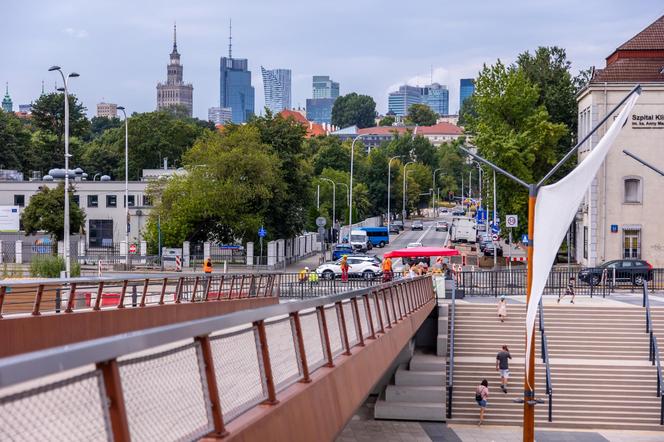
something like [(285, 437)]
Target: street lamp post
[(334, 202), (403, 206), (350, 198), (433, 198), (389, 187), (126, 198), (347, 201), (66, 226)]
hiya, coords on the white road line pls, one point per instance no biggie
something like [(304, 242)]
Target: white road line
[(423, 234)]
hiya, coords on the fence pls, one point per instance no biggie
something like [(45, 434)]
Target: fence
[(291, 286), (203, 373), (513, 282)]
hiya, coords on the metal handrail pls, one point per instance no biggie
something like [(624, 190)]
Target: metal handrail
[(653, 351), (450, 377), (545, 359)]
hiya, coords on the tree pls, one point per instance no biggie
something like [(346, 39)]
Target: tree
[(48, 114), (387, 120), (417, 148), (15, 141), (582, 79), (467, 111), (98, 125), (353, 109), (421, 115), (46, 209), (330, 153)]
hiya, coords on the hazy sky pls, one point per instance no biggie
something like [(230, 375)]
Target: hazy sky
[(121, 47)]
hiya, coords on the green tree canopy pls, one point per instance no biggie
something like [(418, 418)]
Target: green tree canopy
[(387, 120), (15, 141), (48, 114), (353, 109), (45, 212), (421, 115), (98, 125), (330, 153)]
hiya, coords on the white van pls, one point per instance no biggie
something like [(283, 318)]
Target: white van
[(359, 240), (463, 229)]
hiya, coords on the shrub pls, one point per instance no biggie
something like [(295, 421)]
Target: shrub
[(51, 266)]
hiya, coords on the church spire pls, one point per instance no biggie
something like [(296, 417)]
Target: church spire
[(7, 104), (230, 38), (175, 37)]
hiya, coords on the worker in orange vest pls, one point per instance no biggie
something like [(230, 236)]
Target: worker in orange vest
[(387, 269), (207, 265)]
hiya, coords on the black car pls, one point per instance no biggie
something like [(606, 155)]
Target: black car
[(394, 229), (398, 224), (459, 213), (417, 225), (488, 249), (634, 271)]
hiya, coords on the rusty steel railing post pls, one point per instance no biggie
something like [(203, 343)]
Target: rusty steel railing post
[(399, 292), (221, 287), (367, 307), (178, 290), (387, 308), (71, 300), (38, 298), (163, 291), (267, 366), (239, 296), (213, 389), (356, 312), (123, 292), (300, 346), (407, 289), (379, 313), (3, 290), (395, 294), (100, 290), (342, 320), (116, 405), (208, 283), (193, 294), (326, 336), (230, 289), (144, 295)]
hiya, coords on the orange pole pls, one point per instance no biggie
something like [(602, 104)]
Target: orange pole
[(529, 381)]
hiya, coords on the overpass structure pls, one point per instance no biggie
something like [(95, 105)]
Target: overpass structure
[(198, 363)]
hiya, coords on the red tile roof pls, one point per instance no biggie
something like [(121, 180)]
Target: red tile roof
[(651, 37), (313, 129), (630, 70), (436, 129)]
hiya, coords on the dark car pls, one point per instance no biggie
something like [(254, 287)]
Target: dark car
[(417, 225), (442, 226), (399, 225), (341, 250), (488, 248), (394, 228), (458, 213), (634, 271)]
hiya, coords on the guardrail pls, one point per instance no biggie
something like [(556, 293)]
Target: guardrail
[(545, 359), (188, 380), (450, 376), (653, 353)]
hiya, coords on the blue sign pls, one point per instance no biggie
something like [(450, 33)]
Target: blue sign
[(262, 233), (524, 239), (495, 229), (480, 216), (614, 228)]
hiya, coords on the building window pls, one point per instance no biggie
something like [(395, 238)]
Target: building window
[(111, 201), (147, 200), (132, 201), (19, 200), (632, 243), (101, 232), (77, 200), (585, 242), (93, 201), (632, 190)]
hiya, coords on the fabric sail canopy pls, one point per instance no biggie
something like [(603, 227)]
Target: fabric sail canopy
[(418, 252), (555, 209)]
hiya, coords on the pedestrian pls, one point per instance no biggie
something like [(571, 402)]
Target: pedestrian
[(502, 309), (412, 271), (568, 291), (313, 277), (502, 365), (344, 268), (387, 269), (481, 397), (303, 276), (207, 265)]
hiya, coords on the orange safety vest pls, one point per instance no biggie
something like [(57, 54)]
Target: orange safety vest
[(387, 265), (207, 266)]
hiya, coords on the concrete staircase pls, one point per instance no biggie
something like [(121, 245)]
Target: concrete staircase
[(600, 373), (418, 391)]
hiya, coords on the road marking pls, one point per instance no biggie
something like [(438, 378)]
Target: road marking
[(423, 234)]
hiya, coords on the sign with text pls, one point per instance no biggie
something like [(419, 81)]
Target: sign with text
[(9, 218), (648, 121)]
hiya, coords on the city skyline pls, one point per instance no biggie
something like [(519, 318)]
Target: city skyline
[(120, 58)]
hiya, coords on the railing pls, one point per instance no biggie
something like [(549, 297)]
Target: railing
[(39, 296), (450, 376), (653, 353), (189, 380), (292, 287), (545, 359)]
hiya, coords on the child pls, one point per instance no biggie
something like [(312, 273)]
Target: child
[(502, 309), (568, 291)]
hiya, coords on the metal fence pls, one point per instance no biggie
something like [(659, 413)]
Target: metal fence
[(513, 282), (202, 373)]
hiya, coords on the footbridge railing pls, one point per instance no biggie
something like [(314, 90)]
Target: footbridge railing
[(188, 380)]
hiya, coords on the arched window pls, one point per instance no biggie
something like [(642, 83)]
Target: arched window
[(633, 190)]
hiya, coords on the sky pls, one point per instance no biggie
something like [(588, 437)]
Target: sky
[(120, 47)]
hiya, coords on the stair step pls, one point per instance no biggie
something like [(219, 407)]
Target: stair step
[(399, 393), (427, 362), (404, 377), (409, 411)]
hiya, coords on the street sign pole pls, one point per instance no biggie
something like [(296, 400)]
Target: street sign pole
[(509, 252)]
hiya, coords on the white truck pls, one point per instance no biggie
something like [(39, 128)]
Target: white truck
[(463, 229), (359, 240)]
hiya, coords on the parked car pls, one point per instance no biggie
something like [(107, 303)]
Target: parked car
[(399, 224), (341, 250), (394, 228), (359, 266), (417, 225), (442, 226), (414, 244), (458, 212), (488, 249), (634, 271)]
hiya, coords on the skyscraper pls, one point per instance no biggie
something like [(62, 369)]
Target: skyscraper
[(175, 91), (437, 97), (108, 110), (466, 89), (235, 89), (401, 100), (7, 103), (220, 115), (325, 92), (277, 87)]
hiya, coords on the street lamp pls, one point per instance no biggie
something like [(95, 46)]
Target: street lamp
[(403, 207), (121, 108), (334, 203), (66, 226), (350, 198), (389, 176), (433, 198)]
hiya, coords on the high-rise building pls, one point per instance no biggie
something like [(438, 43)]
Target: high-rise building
[(107, 110), (175, 91), (25, 108), (235, 89), (277, 87), (7, 103), (466, 89), (437, 97), (400, 101), (324, 87), (220, 115)]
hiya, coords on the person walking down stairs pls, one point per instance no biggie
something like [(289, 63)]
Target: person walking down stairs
[(502, 365), (569, 291), (502, 309), (481, 397)]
